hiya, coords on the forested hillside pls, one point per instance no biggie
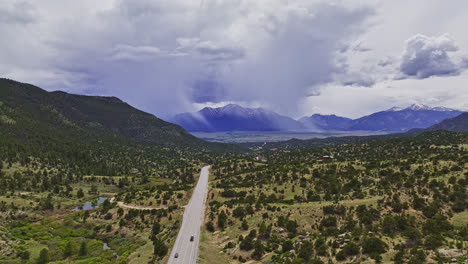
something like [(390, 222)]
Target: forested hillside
[(96, 134), (62, 155), (30, 109)]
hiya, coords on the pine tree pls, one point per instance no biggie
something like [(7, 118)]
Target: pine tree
[(43, 256), (245, 225), (222, 217), (83, 249), (80, 193), (156, 229), (259, 250), (160, 249), (68, 251)]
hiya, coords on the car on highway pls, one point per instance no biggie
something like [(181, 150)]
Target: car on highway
[(191, 238), (176, 255)]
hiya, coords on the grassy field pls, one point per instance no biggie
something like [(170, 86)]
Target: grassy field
[(210, 251), (460, 219)]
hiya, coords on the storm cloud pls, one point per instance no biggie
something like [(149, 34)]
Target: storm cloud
[(172, 56), (165, 55)]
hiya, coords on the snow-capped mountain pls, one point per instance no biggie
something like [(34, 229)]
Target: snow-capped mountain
[(419, 107), (403, 119), (395, 109), (235, 118)]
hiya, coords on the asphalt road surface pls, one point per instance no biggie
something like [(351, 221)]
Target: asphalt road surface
[(193, 218)]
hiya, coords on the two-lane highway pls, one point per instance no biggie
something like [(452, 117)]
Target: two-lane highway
[(187, 250)]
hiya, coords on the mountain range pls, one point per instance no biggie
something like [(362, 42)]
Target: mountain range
[(325, 122), (30, 115), (33, 117), (403, 119), (233, 117), (236, 118)]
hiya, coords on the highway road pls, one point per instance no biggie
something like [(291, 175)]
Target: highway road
[(193, 219)]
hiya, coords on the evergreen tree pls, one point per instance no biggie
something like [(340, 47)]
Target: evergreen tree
[(259, 250), (156, 229), (68, 251), (245, 225), (43, 256), (80, 193), (222, 217), (160, 249), (210, 227), (83, 249)]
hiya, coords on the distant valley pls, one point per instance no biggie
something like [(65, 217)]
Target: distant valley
[(276, 136)]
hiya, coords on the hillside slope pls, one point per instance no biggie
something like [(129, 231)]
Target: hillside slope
[(457, 124), (28, 113)]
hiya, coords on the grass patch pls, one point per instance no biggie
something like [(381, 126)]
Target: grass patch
[(460, 219), (209, 251)]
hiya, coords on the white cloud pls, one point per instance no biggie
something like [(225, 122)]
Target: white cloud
[(425, 56), (355, 101), (17, 12), (208, 50)]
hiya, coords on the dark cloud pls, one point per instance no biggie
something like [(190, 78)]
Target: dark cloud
[(163, 56), (425, 56)]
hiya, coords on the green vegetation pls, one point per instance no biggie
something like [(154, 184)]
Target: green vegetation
[(67, 116), (59, 151), (389, 199), (93, 180), (35, 217)]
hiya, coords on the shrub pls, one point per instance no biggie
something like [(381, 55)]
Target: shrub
[(433, 241), (287, 245), (340, 256), (328, 222), (43, 256), (210, 227), (373, 245), (351, 249)]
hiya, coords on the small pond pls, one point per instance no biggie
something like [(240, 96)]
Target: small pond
[(90, 205)]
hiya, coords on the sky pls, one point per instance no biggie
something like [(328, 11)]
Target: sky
[(295, 57)]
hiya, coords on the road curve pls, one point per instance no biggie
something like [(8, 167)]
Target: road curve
[(193, 218)]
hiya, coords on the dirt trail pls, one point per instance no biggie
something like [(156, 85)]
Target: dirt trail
[(138, 207)]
